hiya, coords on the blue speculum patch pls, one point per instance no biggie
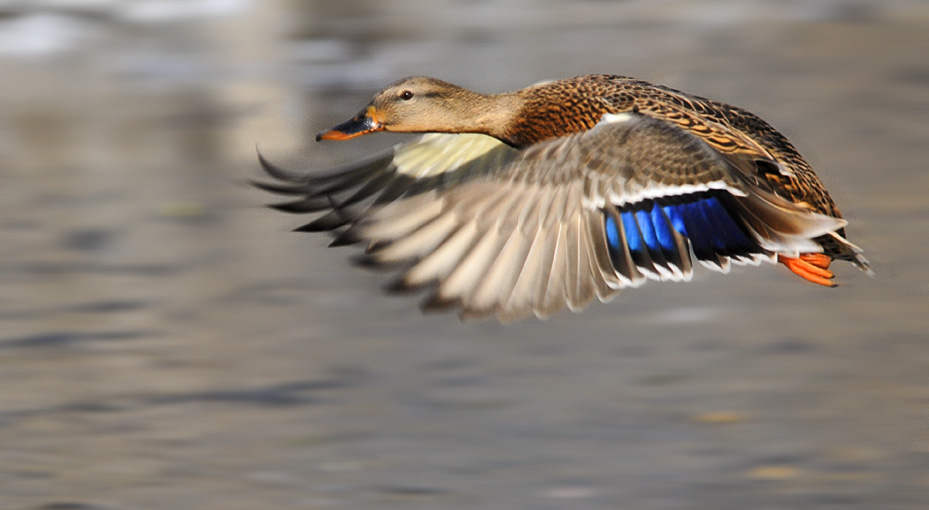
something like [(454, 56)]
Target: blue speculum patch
[(703, 218)]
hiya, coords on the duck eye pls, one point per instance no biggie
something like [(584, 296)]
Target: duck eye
[(406, 95)]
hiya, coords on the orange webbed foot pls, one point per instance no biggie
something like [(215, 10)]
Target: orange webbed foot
[(812, 267), (820, 260)]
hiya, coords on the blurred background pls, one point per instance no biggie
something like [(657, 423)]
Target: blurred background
[(165, 342)]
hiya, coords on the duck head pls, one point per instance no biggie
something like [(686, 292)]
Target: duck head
[(414, 105)]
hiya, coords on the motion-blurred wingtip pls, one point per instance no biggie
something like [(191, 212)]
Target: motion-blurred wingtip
[(274, 170)]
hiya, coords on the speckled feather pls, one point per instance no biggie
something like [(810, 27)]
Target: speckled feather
[(546, 114)]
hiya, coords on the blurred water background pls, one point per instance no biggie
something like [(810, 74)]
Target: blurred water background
[(166, 343)]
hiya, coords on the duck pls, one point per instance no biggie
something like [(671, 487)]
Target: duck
[(527, 202)]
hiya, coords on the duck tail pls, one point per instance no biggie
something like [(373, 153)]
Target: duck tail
[(848, 251)]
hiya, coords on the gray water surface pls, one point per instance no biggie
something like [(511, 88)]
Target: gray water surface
[(166, 343)]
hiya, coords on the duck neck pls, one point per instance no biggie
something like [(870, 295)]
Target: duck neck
[(520, 118), (488, 114)]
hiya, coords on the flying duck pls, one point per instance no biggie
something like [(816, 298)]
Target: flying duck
[(529, 201)]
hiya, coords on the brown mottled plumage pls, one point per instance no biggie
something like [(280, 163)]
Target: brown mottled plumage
[(727, 129), (601, 181)]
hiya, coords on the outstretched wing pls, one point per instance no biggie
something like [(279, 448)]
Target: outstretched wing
[(494, 230), (432, 162)]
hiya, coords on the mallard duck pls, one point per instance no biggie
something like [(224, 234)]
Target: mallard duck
[(550, 196)]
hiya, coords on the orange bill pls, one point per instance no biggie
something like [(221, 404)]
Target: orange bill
[(363, 123)]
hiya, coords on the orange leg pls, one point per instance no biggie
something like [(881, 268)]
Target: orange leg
[(813, 267)]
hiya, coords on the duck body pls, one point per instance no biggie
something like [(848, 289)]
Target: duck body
[(529, 201)]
